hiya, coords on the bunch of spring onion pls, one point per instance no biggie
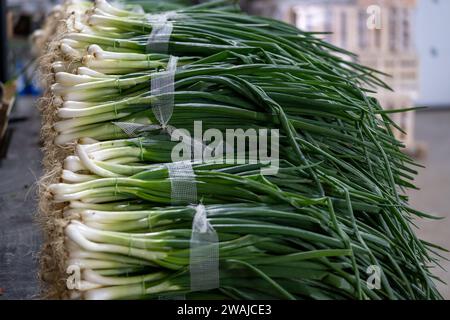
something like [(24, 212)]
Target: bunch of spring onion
[(262, 230), (334, 209), (270, 246), (203, 30)]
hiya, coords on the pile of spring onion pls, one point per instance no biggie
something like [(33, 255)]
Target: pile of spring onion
[(335, 209)]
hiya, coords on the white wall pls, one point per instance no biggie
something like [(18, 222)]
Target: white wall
[(433, 31)]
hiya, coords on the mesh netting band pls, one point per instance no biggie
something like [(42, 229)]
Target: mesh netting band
[(162, 89), (134, 130), (158, 41), (204, 253), (183, 183)]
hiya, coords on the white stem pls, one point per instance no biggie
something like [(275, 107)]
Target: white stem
[(58, 89), (90, 72), (88, 141), (125, 160), (112, 153), (73, 44), (98, 53), (88, 163), (109, 9), (94, 277), (115, 292), (94, 49), (119, 260), (96, 146), (71, 177), (58, 66), (87, 95), (70, 52), (73, 124), (74, 164), (74, 233), (113, 216), (97, 264), (103, 199), (69, 79), (77, 104), (87, 286), (125, 206)]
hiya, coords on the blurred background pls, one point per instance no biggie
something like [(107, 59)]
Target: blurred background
[(407, 39)]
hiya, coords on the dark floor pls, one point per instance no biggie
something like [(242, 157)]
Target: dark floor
[(433, 130), (20, 237)]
